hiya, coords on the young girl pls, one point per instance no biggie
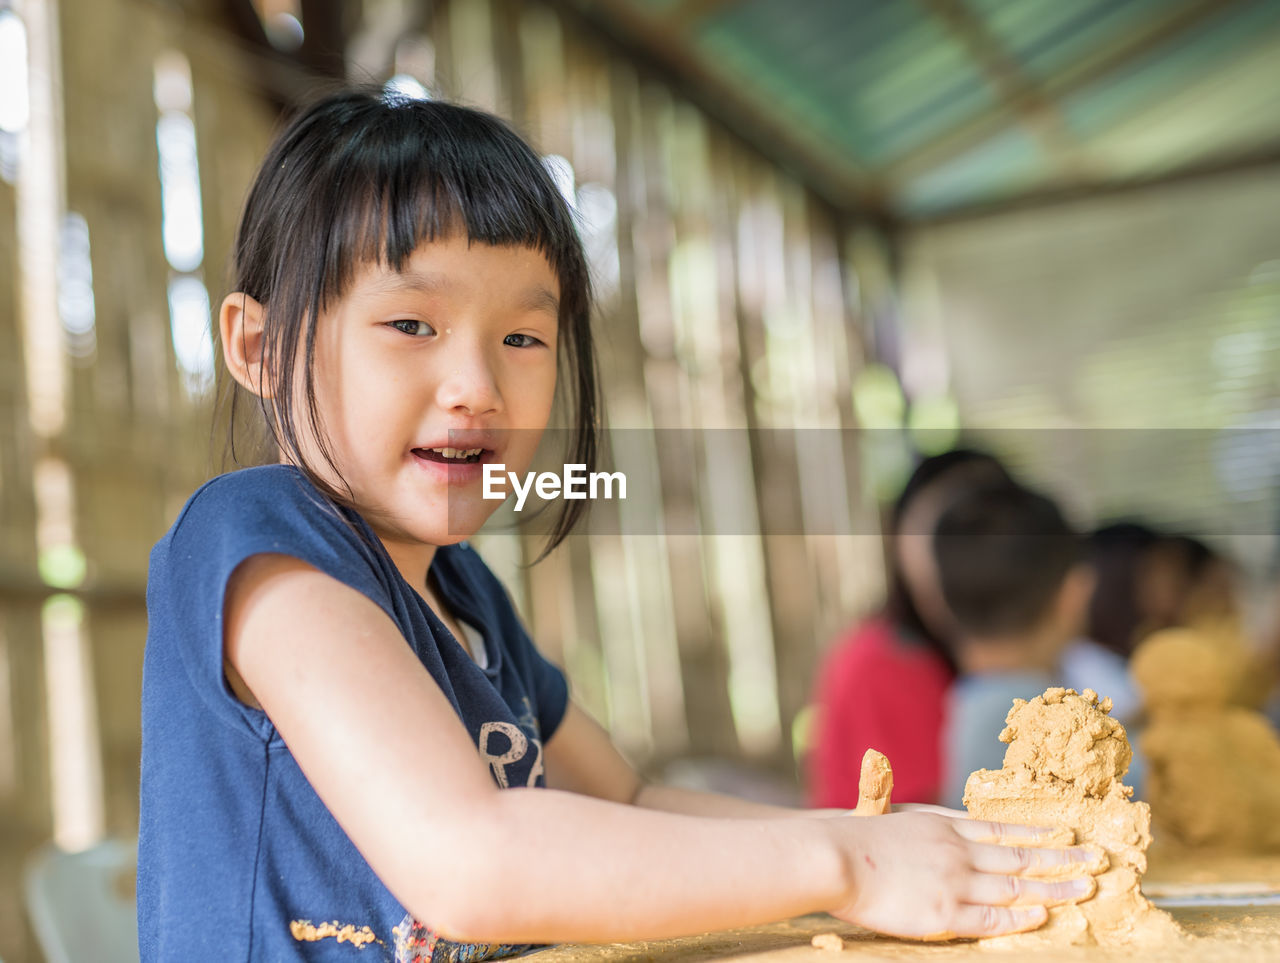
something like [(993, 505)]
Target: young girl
[(351, 748)]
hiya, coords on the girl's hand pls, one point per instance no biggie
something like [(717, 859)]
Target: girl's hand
[(926, 876)]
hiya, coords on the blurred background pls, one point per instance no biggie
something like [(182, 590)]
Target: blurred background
[(1052, 229)]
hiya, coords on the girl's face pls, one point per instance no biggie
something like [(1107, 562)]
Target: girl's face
[(457, 351)]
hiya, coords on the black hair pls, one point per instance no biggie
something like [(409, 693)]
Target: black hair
[(959, 466), (1117, 551), (1003, 553), (1196, 555), (976, 464), (361, 177)]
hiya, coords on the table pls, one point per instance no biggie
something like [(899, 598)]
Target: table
[(1227, 933), (1236, 934)]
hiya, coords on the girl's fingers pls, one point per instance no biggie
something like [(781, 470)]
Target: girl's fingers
[(982, 831), (974, 920), (1037, 860), (994, 890)]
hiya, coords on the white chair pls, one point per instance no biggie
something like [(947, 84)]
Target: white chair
[(82, 905)]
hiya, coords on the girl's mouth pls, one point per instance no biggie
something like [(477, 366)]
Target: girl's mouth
[(451, 456)]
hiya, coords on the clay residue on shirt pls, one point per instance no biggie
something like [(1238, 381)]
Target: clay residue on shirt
[(305, 930), (1213, 761), (1063, 767)]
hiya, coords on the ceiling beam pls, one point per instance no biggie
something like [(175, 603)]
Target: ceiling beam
[(685, 15), (1013, 85), (649, 41), (1150, 35), (1070, 192)]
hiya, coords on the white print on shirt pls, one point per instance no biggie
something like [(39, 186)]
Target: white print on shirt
[(517, 748)]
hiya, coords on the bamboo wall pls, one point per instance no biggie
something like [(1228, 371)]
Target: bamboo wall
[(728, 299), (132, 442)]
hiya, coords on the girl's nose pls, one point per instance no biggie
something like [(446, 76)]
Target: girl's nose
[(467, 382)]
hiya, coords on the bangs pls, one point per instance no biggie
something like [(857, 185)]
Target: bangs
[(390, 186), (365, 180)]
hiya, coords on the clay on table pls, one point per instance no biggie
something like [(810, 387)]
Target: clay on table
[(1213, 763), (875, 784), (1064, 766)]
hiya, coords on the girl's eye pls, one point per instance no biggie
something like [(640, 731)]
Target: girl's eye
[(416, 328), (520, 340)]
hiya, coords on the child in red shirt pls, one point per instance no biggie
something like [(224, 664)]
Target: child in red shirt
[(883, 684)]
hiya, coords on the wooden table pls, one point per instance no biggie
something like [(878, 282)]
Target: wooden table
[(1227, 933)]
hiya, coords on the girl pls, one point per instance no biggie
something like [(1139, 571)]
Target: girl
[(351, 748)]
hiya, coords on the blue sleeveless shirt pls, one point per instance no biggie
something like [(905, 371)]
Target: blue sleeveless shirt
[(238, 859)]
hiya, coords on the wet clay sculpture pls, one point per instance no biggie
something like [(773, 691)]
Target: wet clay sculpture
[(1213, 764), (1063, 767)]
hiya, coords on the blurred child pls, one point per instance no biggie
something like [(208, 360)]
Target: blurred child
[(1012, 572), (882, 685), (1212, 592), (1141, 580), (1147, 580), (1212, 607)]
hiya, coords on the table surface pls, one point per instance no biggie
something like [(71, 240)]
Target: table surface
[(1214, 932)]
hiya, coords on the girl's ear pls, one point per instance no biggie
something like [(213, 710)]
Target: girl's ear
[(240, 323)]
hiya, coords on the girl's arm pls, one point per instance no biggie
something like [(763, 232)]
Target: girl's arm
[(581, 758), (478, 864)]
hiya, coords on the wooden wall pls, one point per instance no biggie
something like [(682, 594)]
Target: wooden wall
[(133, 442)]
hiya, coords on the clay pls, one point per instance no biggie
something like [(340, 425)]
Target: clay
[(1064, 766), (875, 784), (828, 941), (1213, 764), (305, 931), (1179, 668), (1174, 869)]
